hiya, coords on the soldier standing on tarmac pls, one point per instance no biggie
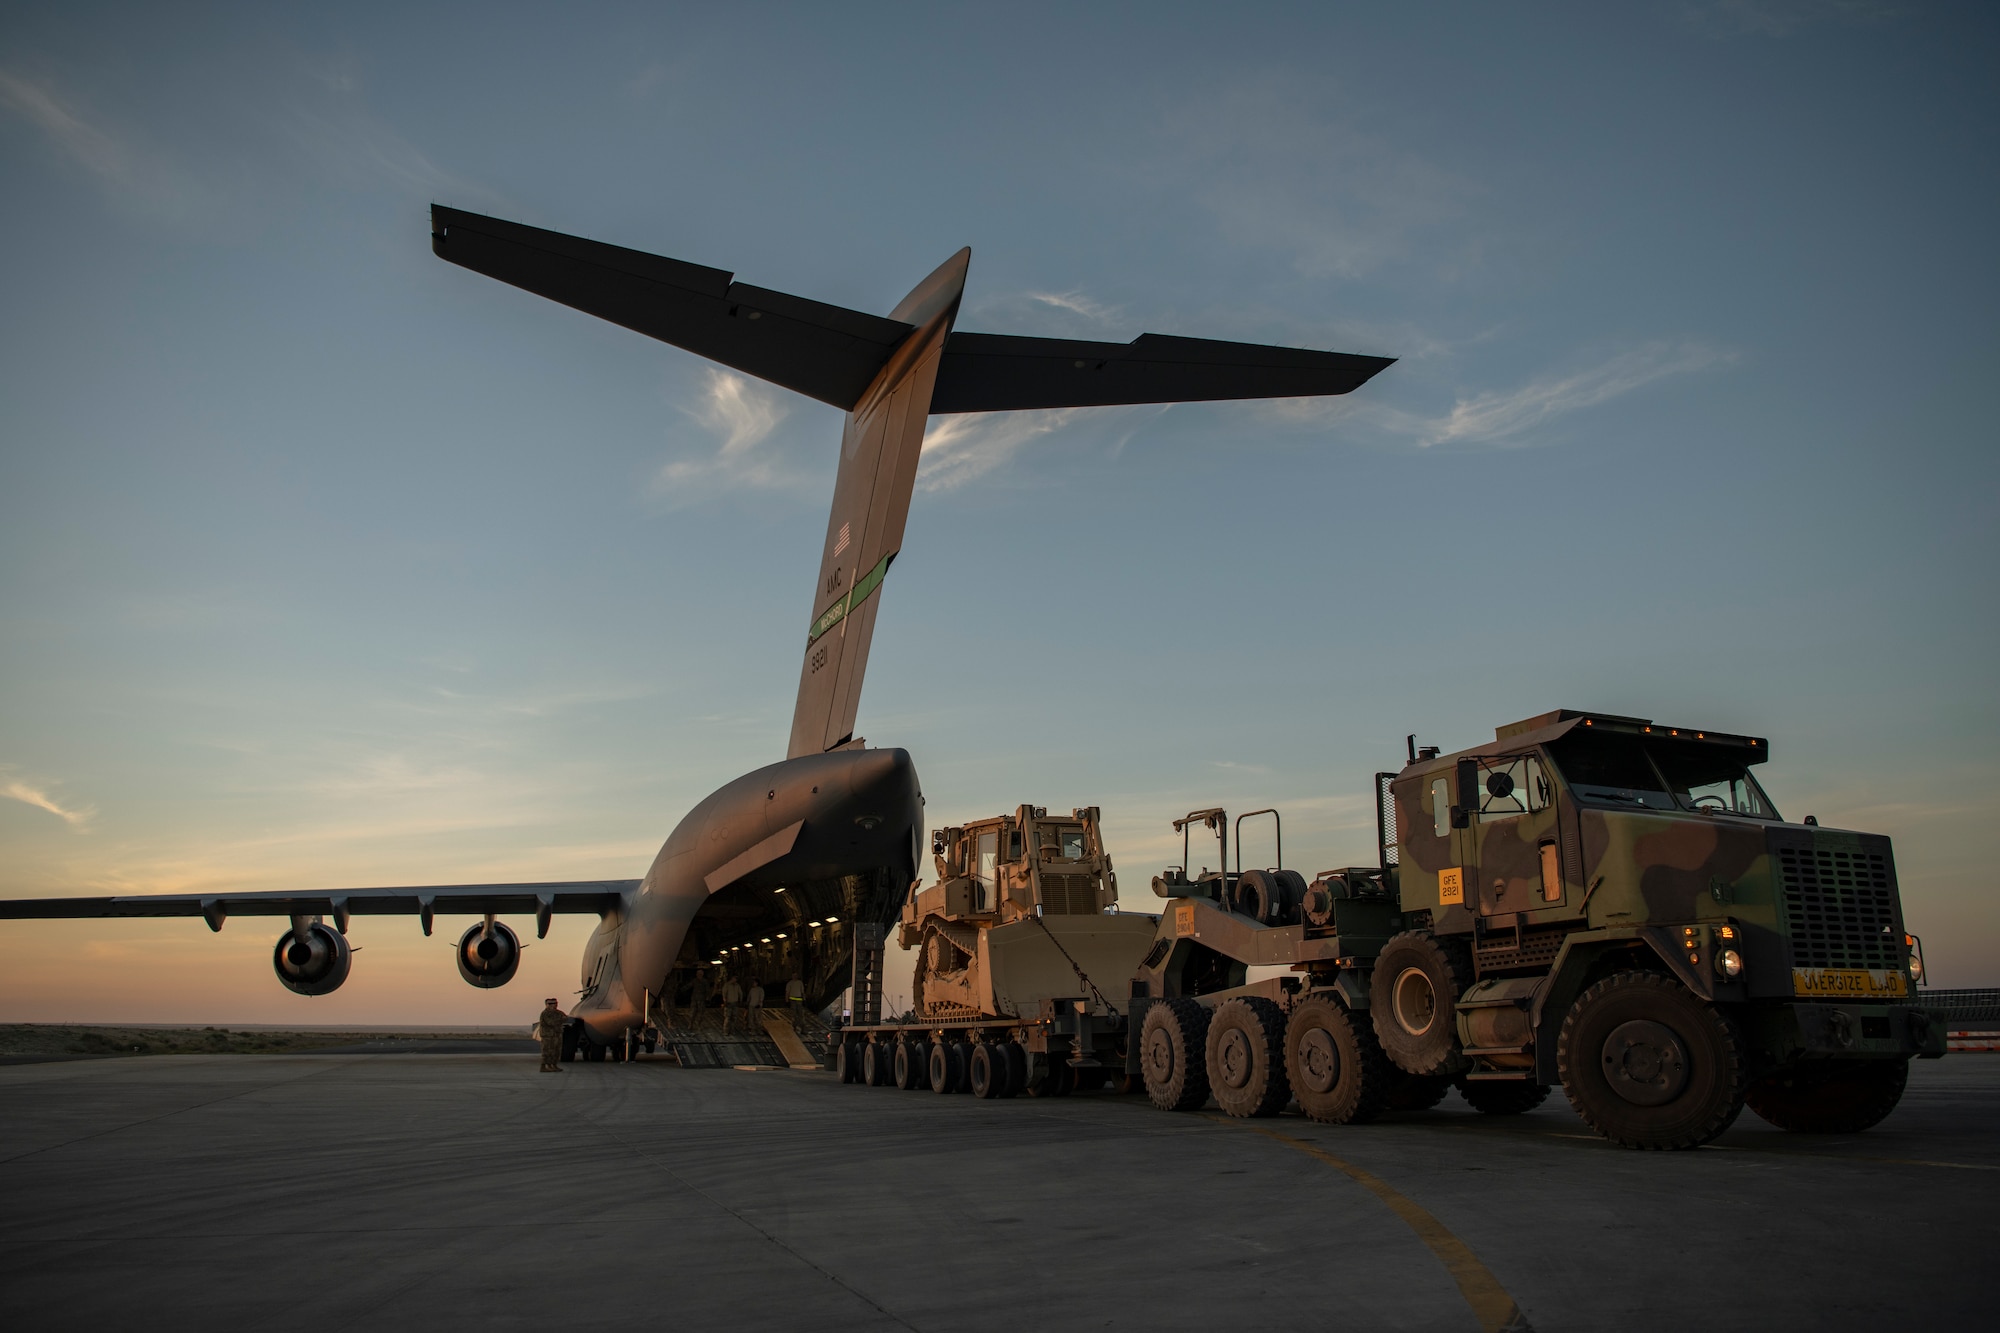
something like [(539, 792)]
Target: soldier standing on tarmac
[(549, 1027), (732, 995), (756, 1005), (795, 993)]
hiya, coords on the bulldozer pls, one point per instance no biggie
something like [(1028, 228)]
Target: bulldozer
[(1024, 911)]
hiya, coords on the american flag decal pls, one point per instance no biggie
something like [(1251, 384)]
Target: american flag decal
[(841, 545)]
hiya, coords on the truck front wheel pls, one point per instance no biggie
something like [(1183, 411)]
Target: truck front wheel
[(1838, 1097), (1246, 1057), (1337, 1071), (1649, 1065), (1173, 1054)]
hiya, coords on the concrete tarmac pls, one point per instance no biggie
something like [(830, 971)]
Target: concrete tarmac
[(325, 1192)]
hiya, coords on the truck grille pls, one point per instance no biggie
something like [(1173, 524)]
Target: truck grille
[(1840, 908), (1069, 895)]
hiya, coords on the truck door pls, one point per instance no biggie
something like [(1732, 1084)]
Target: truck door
[(1514, 849)]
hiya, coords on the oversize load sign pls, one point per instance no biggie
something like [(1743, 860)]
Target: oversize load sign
[(1849, 983)]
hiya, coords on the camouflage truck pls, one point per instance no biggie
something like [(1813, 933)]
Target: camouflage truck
[(1023, 965), (1591, 900)]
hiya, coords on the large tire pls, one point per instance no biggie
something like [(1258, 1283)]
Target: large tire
[(962, 1051), (1648, 1064), (1502, 1096), (1173, 1054), (989, 1071), (1246, 1057), (1270, 896), (878, 1065), (947, 1069), (913, 1065), (1412, 998), (1335, 1068), (847, 1062), (1059, 1081), (1016, 1056), (1413, 1092), (1837, 1097)]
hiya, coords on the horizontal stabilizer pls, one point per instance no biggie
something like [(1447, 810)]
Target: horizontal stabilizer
[(822, 351), (994, 372)]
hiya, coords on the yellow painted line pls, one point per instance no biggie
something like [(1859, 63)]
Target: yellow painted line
[(1496, 1311)]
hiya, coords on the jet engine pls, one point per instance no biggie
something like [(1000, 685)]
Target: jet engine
[(489, 955), (312, 958)]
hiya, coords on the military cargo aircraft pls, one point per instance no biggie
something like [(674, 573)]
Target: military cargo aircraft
[(804, 863)]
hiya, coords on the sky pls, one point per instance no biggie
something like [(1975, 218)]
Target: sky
[(325, 563)]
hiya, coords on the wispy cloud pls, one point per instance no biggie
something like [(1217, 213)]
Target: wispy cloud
[(84, 139), (77, 817), (1077, 304), (742, 414), (88, 145), (960, 448), (1516, 417), (1511, 416)]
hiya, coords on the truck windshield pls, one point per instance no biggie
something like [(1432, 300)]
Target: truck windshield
[(1612, 769), (1659, 775), (1703, 777)]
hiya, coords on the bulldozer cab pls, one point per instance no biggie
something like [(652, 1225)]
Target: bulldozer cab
[(1008, 867)]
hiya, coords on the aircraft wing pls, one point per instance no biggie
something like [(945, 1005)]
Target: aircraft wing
[(996, 372), (823, 351), (419, 901)]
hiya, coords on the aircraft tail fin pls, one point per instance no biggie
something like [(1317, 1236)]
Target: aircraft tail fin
[(879, 448)]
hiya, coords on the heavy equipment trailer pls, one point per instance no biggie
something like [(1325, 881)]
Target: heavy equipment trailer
[(1023, 965), (1590, 900)]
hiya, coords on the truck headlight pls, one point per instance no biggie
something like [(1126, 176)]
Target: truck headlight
[(1916, 967), (1729, 963)]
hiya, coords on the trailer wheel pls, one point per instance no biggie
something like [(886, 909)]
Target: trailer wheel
[(1173, 1054), (878, 1065), (1412, 1092), (1337, 1070), (1649, 1065), (1502, 1096), (913, 1066), (1246, 1057), (962, 1054), (947, 1067), (848, 1060), (989, 1071), (1841, 1097), (1060, 1081), (1015, 1056)]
